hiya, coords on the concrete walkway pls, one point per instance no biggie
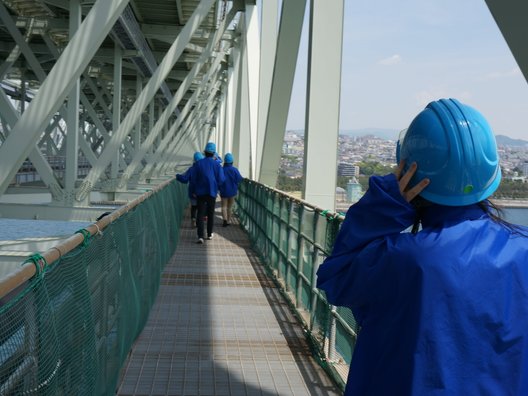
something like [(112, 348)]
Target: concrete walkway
[(219, 326)]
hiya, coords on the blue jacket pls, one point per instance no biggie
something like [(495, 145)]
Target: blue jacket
[(233, 178), (185, 178), (443, 311), (206, 177)]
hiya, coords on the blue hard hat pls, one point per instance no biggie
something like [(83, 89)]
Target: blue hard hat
[(197, 156), (228, 158), (454, 146), (210, 148)]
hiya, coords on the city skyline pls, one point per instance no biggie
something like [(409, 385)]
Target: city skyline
[(398, 56)]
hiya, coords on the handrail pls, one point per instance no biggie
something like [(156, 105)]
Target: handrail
[(292, 237), (324, 212), (27, 270)]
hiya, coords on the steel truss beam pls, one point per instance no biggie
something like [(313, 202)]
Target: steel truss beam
[(144, 98), (288, 40), (154, 133), (56, 86)]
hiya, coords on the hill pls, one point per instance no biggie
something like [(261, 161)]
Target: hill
[(393, 134), (383, 133), (503, 140)]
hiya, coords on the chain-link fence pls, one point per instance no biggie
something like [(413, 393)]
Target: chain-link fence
[(68, 329), (293, 238)]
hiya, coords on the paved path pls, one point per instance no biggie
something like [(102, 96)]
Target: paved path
[(219, 326)]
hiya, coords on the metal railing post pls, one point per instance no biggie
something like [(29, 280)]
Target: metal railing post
[(332, 334), (300, 258)]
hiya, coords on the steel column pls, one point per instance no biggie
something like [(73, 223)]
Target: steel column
[(116, 109), (323, 98), (288, 40), (252, 58), (268, 49), (72, 115)]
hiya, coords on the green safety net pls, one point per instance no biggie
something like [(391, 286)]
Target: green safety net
[(68, 330), (292, 239)]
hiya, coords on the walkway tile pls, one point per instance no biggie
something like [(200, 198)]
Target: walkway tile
[(219, 326)]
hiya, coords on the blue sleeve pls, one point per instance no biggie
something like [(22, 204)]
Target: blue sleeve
[(238, 177), (350, 275), (220, 176), (184, 178)]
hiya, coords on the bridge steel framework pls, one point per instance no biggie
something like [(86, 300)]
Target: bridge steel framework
[(132, 88)]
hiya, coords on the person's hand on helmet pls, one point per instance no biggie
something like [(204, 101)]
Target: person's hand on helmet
[(404, 178)]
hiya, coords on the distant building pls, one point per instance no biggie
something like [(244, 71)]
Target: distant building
[(346, 169), (525, 168), (341, 194), (354, 190)]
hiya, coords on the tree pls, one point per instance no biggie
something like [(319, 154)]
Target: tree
[(369, 168)]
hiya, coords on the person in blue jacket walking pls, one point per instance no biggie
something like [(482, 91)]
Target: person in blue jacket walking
[(206, 177), (184, 178), (442, 309), (229, 189)]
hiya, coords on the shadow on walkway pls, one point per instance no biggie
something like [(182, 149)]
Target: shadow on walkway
[(219, 326)]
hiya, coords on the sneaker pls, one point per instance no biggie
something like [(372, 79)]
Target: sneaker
[(210, 236), (225, 224), (200, 240)]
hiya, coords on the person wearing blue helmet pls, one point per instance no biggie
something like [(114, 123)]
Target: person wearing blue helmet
[(437, 281), (229, 190), (207, 177), (217, 157), (185, 178)]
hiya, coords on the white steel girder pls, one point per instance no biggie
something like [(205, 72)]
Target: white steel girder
[(188, 130), (291, 22), (72, 114), (234, 104), (10, 116), (241, 139), (230, 97), (268, 48), (116, 111), (56, 86), (197, 130), (145, 97), (156, 161), (163, 119), (252, 49), (185, 124), (322, 110)]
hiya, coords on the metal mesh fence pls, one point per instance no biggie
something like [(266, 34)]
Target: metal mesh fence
[(69, 328), (293, 238)]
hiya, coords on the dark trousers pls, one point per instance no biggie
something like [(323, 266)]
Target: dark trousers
[(206, 207), (194, 210)]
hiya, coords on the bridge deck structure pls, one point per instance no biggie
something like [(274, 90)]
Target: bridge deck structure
[(220, 326)]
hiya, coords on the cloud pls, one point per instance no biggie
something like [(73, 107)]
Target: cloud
[(504, 74), (391, 60)]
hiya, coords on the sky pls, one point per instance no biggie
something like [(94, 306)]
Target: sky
[(400, 55)]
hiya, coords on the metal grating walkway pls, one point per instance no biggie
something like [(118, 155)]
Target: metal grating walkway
[(220, 327)]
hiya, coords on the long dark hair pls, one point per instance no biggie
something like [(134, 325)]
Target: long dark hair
[(495, 213)]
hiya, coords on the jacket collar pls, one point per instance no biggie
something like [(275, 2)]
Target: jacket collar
[(440, 215)]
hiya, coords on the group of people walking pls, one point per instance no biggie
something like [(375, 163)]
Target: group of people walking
[(206, 178)]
